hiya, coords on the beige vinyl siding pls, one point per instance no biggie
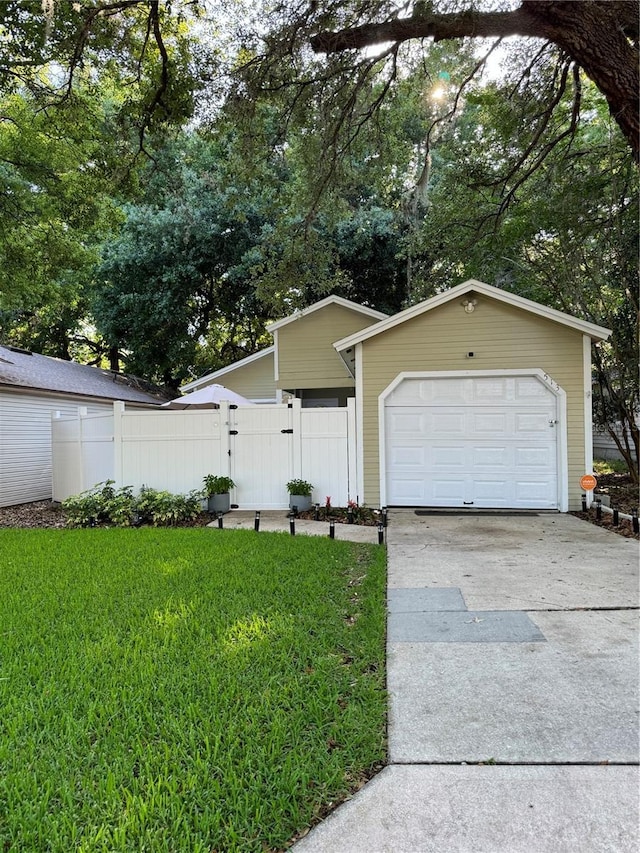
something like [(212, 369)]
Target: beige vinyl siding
[(502, 338), (25, 443), (306, 357), (255, 381)]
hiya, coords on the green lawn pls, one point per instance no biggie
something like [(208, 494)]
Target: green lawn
[(184, 690)]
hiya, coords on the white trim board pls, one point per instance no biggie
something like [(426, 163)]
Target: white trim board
[(211, 377), (317, 306), (596, 333)]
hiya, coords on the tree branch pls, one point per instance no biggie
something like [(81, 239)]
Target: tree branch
[(600, 35)]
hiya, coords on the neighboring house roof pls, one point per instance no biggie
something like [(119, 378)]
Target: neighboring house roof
[(596, 333), (330, 300), (209, 378), (25, 370)]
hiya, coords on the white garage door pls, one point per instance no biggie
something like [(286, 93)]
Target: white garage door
[(483, 442)]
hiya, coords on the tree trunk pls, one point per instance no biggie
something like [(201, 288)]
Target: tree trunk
[(114, 359)]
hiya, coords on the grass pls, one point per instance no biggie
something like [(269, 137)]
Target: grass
[(174, 690)]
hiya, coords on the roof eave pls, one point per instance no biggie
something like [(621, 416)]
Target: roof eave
[(323, 303), (596, 333), (243, 362)]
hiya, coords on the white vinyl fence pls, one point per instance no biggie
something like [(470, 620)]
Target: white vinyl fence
[(260, 447)]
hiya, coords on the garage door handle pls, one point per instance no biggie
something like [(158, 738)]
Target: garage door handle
[(286, 430), (467, 503)]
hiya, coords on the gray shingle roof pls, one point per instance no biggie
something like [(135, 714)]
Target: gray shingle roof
[(29, 370)]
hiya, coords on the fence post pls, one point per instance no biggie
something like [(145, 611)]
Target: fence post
[(352, 450), (82, 412), (118, 449), (296, 425)]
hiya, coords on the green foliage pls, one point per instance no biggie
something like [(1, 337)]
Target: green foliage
[(105, 505), (162, 508), (217, 484), (194, 689), (101, 505), (299, 487), (610, 466)]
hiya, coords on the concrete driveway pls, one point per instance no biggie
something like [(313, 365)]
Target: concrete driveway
[(513, 691)]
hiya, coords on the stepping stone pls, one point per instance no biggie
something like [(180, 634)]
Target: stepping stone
[(425, 598), (483, 626)]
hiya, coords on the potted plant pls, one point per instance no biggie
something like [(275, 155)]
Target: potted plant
[(299, 495), (216, 490)]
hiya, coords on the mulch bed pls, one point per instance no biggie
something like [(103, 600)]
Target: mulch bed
[(623, 496), (622, 493), (46, 514)]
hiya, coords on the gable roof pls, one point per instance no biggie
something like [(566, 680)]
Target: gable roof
[(26, 370), (208, 378), (596, 333), (317, 306)]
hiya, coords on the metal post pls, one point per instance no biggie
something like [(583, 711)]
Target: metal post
[(256, 523), (634, 520), (220, 517), (332, 529), (385, 520), (380, 533), (599, 509), (616, 518), (292, 525), (584, 503), (316, 514)]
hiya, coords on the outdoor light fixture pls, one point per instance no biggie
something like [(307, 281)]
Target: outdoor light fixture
[(469, 305)]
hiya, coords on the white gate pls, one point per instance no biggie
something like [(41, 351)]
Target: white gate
[(261, 455)]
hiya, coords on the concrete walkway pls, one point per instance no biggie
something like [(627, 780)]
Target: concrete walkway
[(277, 521), (513, 692)]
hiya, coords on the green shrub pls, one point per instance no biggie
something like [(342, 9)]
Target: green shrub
[(118, 507), (609, 466), (101, 505), (161, 508)]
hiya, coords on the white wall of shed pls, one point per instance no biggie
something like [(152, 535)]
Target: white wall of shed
[(25, 443)]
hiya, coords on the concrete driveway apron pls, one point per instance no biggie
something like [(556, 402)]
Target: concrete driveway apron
[(513, 672)]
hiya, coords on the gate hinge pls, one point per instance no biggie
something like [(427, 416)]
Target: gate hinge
[(286, 430)]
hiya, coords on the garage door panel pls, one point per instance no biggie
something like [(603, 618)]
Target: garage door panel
[(489, 389), (407, 491), (534, 457), (533, 422), (492, 457), (404, 456), (407, 422), (449, 490), (497, 448), (535, 493), (489, 423), (492, 492), (529, 389), (448, 423), (449, 457)]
